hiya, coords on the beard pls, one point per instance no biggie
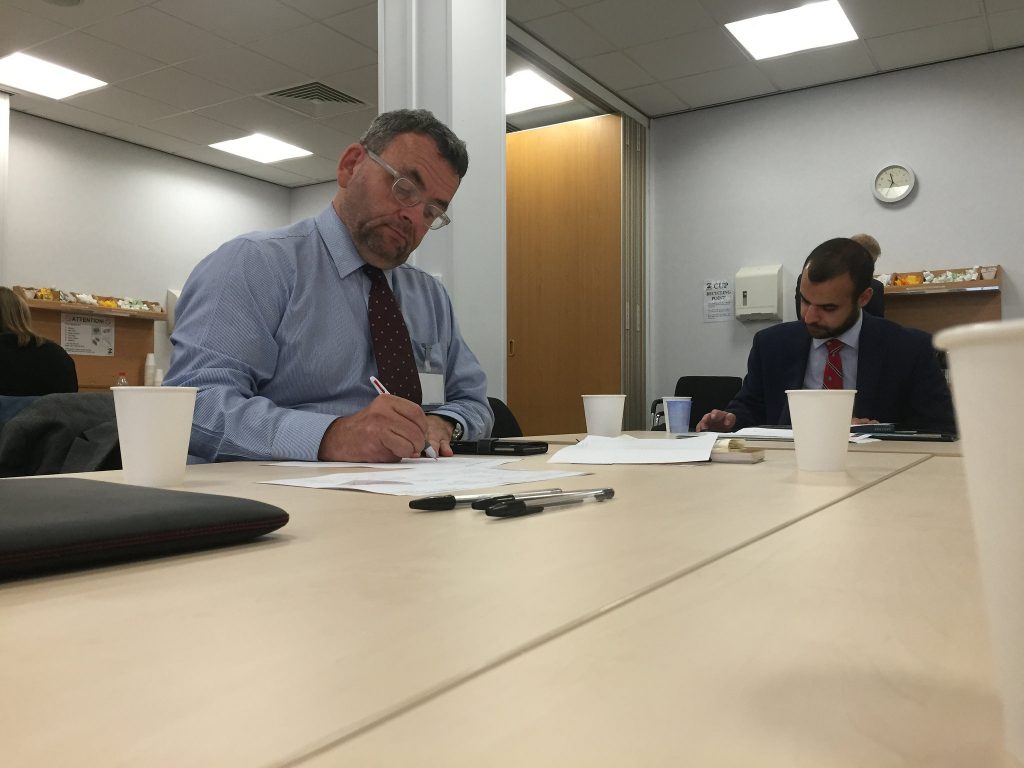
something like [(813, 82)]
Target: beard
[(385, 243), (819, 331)]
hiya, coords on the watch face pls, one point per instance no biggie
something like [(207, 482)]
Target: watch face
[(894, 182)]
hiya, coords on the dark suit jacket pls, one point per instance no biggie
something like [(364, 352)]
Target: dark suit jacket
[(898, 377)]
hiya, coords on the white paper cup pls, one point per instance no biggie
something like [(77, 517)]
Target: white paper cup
[(604, 414), (677, 414), (987, 365), (153, 427), (821, 427)]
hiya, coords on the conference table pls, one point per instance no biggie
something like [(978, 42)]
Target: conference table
[(709, 614)]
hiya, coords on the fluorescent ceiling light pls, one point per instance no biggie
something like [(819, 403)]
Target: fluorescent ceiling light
[(27, 73), (810, 26), (263, 149), (526, 89)]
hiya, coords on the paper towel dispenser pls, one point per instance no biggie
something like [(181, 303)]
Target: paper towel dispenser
[(759, 293)]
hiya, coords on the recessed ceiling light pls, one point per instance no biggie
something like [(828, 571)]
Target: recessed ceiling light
[(27, 73), (526, 89), (810, 26), (263, 149)]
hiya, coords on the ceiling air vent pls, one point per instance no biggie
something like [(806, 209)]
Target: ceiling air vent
[(316, 100)]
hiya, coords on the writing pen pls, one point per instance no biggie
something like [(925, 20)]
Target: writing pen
[(519, 507), (382, 390), (440, 503)]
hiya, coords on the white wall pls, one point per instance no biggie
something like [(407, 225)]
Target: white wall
[(309, 201), (765, 181), (91, 213)]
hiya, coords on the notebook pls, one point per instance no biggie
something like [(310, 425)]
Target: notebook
[(62, 523)]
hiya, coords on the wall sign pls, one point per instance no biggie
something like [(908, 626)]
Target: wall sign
[(718, 301), (87, 335)]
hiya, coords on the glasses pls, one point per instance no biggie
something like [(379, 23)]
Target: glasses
[(408, 194)]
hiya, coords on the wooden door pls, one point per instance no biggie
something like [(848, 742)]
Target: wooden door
[(564, 270)]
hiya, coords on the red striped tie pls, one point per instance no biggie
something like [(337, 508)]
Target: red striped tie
[(392, 347), (833, 378)]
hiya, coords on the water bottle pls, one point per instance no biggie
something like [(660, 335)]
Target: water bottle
[(122, 380)]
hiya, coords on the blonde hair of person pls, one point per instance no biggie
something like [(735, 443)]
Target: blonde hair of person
[(15, 318), (870, 244)]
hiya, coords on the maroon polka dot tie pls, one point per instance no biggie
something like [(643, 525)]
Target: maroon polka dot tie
[(833, 378), (392, 347)]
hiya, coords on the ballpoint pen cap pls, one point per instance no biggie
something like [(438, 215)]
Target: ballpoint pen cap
[(433, 503)]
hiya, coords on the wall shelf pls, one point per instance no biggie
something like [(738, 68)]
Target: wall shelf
[(935, 306)]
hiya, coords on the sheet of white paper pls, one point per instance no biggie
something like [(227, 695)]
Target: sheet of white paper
[(761, 433), (424, 479), (631, 450), (480, 461)]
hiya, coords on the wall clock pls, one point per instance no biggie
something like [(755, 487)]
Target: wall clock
[(893, 183)]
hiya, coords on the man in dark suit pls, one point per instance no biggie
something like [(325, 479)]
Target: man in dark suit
[(893, 369)]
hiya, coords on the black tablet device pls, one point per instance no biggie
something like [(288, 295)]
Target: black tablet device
[(495, 447)]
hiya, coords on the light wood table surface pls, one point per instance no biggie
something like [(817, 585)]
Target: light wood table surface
[(359, 609), (855, 638)]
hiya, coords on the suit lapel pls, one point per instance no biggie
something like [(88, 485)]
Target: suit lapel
[(793, 373), (869, 367)]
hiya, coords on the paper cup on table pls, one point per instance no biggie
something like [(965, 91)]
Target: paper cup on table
[(986, 361), (153, 427), (604, 414), (821, 427), (677, 414)]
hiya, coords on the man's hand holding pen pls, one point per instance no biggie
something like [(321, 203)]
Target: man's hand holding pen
[(389, 429)]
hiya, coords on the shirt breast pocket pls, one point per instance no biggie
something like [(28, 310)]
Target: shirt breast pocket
[(430, 364)]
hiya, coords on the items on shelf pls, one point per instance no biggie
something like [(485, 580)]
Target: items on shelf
[(939, 276), (87, 299)]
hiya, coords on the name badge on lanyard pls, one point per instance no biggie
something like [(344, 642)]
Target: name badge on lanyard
[(432, 385)]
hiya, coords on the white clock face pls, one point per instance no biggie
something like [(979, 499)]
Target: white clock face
[(894, 182)]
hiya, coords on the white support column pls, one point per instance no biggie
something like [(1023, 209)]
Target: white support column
[(5, 140), (448, 56)]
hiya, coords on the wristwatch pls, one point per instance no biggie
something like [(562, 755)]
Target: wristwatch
[(457, 429)]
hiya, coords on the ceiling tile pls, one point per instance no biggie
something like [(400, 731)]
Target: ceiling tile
[(615, 71), (318, 138), (653, 100), (822, 65), (997, 6), (632, 22), (123, 105), (360, 25), (244, 71), (871, 18), (725, 11), (179, 88), (312, 166), (575, 3), (526, 10), (98, 58), (67, 114), (688, 54), (352, 124), (240, 21), (156, 34), (76, 16), (1007, 29), (196, 128), (315, 50), (321, 9), (721, 86), (253, 114), (361, 83), (272, 173), (19, 30), (922, 46), (568, 35)]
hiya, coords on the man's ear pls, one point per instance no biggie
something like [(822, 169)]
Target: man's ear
[(347, 163), (865, 297)]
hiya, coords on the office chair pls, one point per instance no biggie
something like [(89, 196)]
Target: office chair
[(708, 393), (505, 424)]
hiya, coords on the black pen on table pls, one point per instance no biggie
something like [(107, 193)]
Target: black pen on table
[(520, 507), (446, 502), (382, 390)]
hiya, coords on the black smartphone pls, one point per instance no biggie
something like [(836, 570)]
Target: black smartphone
[(494, 446)]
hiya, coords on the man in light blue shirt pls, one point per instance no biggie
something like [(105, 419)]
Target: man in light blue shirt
[(272, 326)]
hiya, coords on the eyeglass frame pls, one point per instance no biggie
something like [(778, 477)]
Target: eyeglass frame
[(441, 216)]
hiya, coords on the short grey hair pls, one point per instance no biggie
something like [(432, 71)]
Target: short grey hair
[(388, 125)]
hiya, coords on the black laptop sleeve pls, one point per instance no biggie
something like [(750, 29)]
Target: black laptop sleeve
[(61, 523)]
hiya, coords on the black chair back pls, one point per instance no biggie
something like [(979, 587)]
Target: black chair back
[(708, 393), (505, 424)]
